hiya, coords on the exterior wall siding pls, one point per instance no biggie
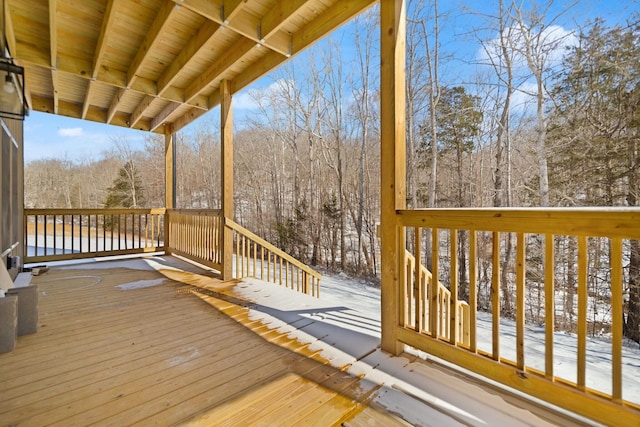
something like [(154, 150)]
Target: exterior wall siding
[(11, 190)]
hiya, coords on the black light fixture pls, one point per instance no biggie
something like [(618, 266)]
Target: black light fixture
[(13, 104)]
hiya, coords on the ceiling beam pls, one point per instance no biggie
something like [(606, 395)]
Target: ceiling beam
[(107, 25), (163, 115), (140, 110), (335, 16), (191, 50), (327, 21), (220, 65), (53, 53), (163, 18), (278, 15), (69, 109), (111, 77), (231, 9), (53, 35), (113, 108), (243, 23), (193, 114)]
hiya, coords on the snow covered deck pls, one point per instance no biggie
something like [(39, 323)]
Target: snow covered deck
[(160, 341)]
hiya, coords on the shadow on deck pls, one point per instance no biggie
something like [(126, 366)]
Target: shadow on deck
[(160, 341)]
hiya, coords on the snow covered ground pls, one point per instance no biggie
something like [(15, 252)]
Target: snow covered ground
[(344, 324), (362, 314)]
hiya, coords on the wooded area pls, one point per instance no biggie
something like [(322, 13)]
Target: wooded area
[(542, 115)]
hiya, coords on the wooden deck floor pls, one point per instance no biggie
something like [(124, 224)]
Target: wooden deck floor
[(124, 347)]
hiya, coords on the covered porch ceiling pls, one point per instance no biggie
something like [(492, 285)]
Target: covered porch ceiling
[(157, 65)]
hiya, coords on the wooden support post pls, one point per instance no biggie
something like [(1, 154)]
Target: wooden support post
[(393, 163), (169, 184), (226, 124)]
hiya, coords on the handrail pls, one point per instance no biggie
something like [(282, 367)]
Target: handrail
[(588, 249), (295, 275)]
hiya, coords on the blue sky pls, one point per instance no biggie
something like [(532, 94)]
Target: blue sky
[(50, 136)]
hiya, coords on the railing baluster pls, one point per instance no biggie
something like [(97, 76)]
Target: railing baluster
[(55, 243), (549, 306), (616, 319), (453, 286), (417, 290), (238, 272), (495, 297), (435, 262), (262, 262), (583, 267), (73, 233), (80, 230), (473, 286), (520, 307), (37, 234), (64, 229)]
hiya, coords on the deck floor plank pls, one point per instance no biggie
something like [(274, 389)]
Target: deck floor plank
[(158, 354), (120, 346), (79, 345), (111, 364)]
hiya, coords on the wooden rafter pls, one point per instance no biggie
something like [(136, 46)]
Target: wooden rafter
[(194, 114), (167, 10), (323, 24), (53, 52), (80, 72), (107, 24), (243, 23), (140, 110), (164, 114), (278, 16), (113, 108), (230, 9), (224, 62), (193, 48)]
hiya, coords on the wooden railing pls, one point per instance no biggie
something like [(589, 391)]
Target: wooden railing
[(255, 257), (195, 234), (519, 265), (417, 288), (59, 234)]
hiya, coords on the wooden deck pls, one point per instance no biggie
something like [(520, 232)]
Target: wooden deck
[(121, 346), (158, 355)]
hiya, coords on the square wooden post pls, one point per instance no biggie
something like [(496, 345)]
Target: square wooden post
[(169, 184), (226, 124), (392, 162)]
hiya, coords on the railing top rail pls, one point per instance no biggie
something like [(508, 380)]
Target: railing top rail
[(596, 222), (217, 212), (240, 229), (73, 211)]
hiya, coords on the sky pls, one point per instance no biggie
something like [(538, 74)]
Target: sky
[(49, 136)]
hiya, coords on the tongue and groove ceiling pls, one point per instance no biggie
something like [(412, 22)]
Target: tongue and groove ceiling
[(156, 65)]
